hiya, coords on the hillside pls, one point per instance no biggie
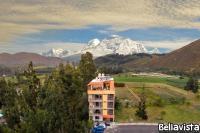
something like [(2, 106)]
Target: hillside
[(20, 59), (128, 62), (185, 59)]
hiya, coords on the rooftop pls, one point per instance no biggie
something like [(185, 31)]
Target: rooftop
[(102, 77)]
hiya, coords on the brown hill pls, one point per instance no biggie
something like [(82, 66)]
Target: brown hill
[(19, 59), (185, 59)]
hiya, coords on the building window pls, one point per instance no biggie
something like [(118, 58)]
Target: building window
[(111, 119), (97, 97), (106, 86), (110, 97), (110, 105), (97, 111), (98, 104), (96, 117), (110, 112)]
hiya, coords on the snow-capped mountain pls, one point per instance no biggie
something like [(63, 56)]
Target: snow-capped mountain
[(114, 45), (57, 53), (155, 51)]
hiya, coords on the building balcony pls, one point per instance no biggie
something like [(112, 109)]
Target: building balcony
[(96, 107), (101, 91), (110, 106), (110, 112)]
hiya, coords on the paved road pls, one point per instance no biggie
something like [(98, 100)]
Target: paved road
[(133, 129)]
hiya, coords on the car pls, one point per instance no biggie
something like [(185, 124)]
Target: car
[(98, 129), (103, 125), (107, 124)]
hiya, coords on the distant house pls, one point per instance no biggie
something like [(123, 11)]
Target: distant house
[(101, 97)]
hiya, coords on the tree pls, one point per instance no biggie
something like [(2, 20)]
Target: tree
[(3, 91), (9, 104), (192, 85), (87, 70), (61, 97), (118, 105), (55, 106), (196, 86), (141, 108), (33, 85)]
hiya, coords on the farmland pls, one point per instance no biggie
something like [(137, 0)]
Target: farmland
[(166, 99)]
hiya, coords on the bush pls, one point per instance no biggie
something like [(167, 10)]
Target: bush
[(127, 104), (119, 84), (173, 100), (118, 104), (198, 96), (158, 102)]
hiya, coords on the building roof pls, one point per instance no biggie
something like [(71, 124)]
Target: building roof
[(101, 78)]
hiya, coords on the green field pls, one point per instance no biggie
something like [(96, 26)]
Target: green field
[(166, 99), (174, 81)]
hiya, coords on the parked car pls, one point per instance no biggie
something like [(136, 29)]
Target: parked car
[(98, 129), (107, 124)]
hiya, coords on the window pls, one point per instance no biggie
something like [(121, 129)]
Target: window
[(110, 97), (110, 111), (97, 111), (96, 117), (98, 97), (110, 105), (97, 104)]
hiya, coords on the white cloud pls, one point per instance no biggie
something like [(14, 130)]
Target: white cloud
[(24, 16), (40, 48), (170, 44)]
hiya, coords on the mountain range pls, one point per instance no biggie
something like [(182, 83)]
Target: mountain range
[(185, 59), (57, 53), (24, 58), (112, 45)]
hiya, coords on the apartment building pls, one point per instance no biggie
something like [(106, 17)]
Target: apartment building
[(101, 97)]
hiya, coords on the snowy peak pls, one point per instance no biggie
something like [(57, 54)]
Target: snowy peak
[(155, 51), (57, 53), (94, 42), (114, 45)]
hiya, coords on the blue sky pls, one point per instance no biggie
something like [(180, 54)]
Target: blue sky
[(83, 35), (37, 26)]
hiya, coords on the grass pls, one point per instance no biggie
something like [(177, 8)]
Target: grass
[(178, 105), (173, 81), (173, 113)]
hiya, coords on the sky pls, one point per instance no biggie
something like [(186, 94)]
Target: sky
[(39, 25)]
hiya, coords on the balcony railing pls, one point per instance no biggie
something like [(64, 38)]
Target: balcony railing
[(110, 98), (95, 99), (98, 88), (96, 107), (110, 106), (110, 112)]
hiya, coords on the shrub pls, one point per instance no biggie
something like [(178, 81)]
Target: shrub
[(173, 100), (158, 102), (119, 84)]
